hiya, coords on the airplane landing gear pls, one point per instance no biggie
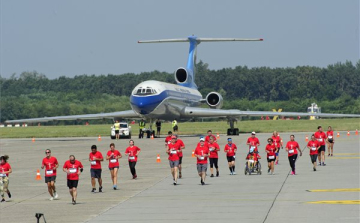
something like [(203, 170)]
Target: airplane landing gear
[(232, 131)]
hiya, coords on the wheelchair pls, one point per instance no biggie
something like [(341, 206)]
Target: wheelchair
[(251, 168)]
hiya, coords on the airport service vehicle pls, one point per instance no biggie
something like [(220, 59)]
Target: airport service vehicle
[(314, 109), (124, 132)]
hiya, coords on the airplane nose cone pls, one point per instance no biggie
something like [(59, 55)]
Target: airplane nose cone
[(143, 105)]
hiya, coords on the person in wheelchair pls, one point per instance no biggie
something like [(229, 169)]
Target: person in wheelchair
[(252, 160)]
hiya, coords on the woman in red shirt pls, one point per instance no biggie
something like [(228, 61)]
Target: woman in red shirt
[(313, 145), (202, 154), (277, 140), (132, 151), (113, 156), (292, 147), (5, 170), (330, 141), (270, 150)]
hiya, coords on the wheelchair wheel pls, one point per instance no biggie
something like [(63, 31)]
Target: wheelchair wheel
[(259, 169)]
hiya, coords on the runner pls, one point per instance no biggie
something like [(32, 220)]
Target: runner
[(330, 141), (113, 156), (73, 168), (230, 149), (313, 145), (271, 150), (182, 146), (214, 157), (277, 140), (132, 151), (253, 142), (209, 134), (202, 154), (5, 170), (168, 139), (173, 150), (292, 147), (320, 136), (50, 164), (95, 158)]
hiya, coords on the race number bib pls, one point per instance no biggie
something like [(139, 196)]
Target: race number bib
[(2, 175), (201, 158), (72, 170), (131, 157), (49, 172), (330, 137), (173, 151), (313, 148), (252, 147), (93, 162), (113, 161), (291, 151), (320, 140), (271, 157), (211, 149)]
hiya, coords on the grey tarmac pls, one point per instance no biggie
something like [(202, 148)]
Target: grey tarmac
[(153, 197)]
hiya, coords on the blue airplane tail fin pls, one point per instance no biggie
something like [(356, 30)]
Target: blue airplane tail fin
[(186, 76)]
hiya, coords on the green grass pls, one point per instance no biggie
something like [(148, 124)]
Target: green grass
[(185, 128)]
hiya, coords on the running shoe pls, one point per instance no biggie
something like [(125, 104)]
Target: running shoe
[(314, 169), (9, 194), (331, 154), (231, 173), (202, 182), (56, 195), (100, 189), (217, 173), (93, 190), (51, 198), (323, 164), (269, 170), (115, 187), (212, 175), (277, 162), (319, 163), (292, 173), (234, 173), (3, 200), (135, 176), (73, 201), (272, 173), (174, 182), (180, 175)]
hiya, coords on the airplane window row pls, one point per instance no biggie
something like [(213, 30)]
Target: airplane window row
[(145, 91)]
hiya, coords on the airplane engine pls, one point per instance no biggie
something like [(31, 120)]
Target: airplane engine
[(183, 76), (214, 100)]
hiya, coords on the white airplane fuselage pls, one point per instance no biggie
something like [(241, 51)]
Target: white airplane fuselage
[(155, 99)]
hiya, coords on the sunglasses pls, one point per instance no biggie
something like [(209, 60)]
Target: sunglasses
[(47, 152)]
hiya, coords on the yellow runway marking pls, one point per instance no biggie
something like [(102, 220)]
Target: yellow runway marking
[(336, 202), (349, 154), (337, 190), (344, 157)]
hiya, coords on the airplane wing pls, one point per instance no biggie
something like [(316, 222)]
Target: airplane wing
[(111, 115), (191, 112)]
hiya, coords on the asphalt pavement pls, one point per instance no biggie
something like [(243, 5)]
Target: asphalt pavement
[(331, 194)]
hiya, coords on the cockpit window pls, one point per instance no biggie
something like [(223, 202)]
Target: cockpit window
[(145, 91)]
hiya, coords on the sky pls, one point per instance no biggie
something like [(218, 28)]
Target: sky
[(69, 38)]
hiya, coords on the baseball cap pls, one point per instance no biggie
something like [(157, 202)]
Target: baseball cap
[(202, 139), (253, 133)]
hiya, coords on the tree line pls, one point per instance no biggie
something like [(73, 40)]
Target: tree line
[(335, 88)]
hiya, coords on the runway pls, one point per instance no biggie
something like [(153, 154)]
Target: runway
[(330, 194)]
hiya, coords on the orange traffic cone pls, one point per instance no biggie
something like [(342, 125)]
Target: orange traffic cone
[(218, 136), (99, 138), (38, 176), (152, 136), (306, 139), (33, 139), (356, 132), (158, 160), (348, 134), (338, 134), (193, 153)]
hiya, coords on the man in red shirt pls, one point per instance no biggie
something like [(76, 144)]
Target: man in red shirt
[(292, 147), (95, 158), (50, 164), (202, 154), (320, 136), (313, 145), (182, 146), (230, 149), (253, 142), (214, 157), (113, 156), (168, 139), (209, 134), (173, 150), (132, 151), (73, 168)]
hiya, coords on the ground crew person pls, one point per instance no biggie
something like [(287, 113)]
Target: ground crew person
[(175, 126), (117, 129), (141, 128), (158, 128)]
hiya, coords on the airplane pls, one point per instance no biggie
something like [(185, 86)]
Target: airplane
[(159, 100)]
